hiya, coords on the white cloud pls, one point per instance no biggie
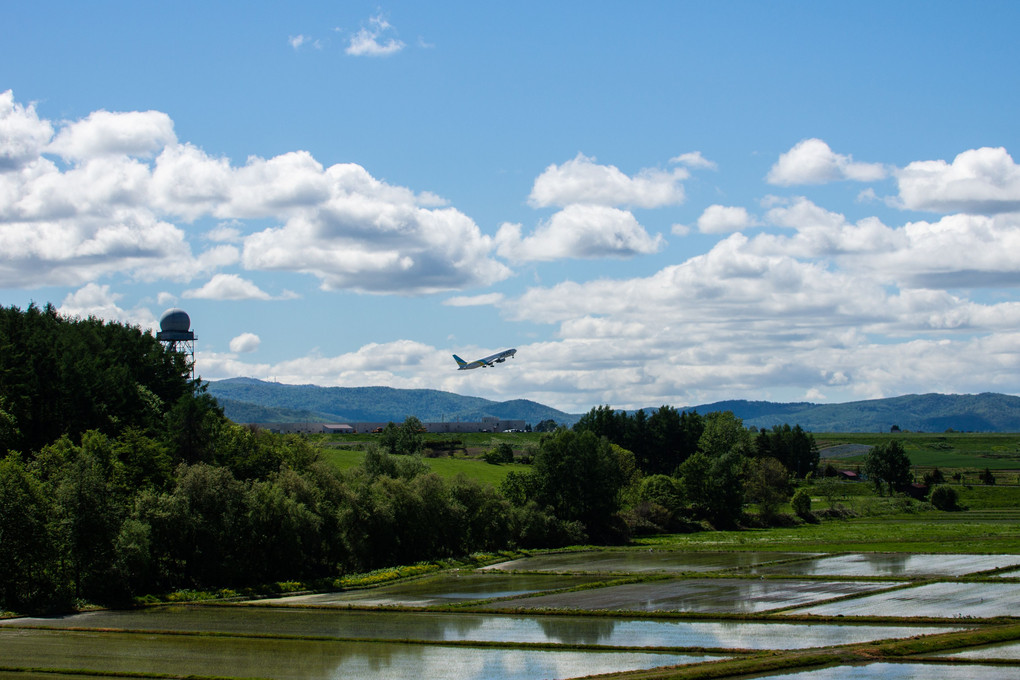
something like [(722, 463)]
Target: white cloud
[(245, 343), (694, 159), (721, 219), (228, 287), (958, 251), (813, 162), (112, 211), (582, 180), (23, 135), (134, 133), (98, 301), (579, 231), (474, 300), (978, 181), (370, 40), (735, 320), (300, 40), (226, 232)]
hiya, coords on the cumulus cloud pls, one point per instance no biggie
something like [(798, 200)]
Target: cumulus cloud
[(978, 181), (813, 162), (102, 133), (957, 251), (374, 40), (228, 287), (579, 231), (738, 320), (582, 180), (401, 363), (93, 300), (245, 343), (22, 134), (721, 219), (113, 209)]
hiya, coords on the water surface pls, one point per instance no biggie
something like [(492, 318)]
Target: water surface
[(305, 660), (902, 671), (640, 561), (446, 627), (446, 588), (939, 600), (891, 564), (731, 596)]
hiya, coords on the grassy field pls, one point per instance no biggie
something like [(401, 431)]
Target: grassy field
[(946, 450), (474, 468), (965, 453)]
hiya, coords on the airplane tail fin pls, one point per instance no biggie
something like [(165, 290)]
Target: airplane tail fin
[(460, 362)]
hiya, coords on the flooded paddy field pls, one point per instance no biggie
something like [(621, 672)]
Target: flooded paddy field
[(722, 595), (642, 561), (562, 615), (1008, 650), (343, 624), (902, 671), (181, 655), (890, 565), (450, 587), (938, 600)]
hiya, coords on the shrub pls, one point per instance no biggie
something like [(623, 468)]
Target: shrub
[(943, 497), (502, 453), (801, 503)]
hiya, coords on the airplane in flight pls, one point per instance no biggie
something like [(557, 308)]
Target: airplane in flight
[(489, 361)]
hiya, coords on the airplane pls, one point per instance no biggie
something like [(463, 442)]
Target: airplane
[(489, 361)]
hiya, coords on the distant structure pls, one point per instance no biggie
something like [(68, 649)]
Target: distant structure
[(175, 332), (487, 424)]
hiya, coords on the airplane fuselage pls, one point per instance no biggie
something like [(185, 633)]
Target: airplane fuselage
[(488, 361)]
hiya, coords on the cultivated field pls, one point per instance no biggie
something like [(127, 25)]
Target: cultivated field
[(892, 590)]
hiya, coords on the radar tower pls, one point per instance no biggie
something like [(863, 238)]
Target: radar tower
[(175, 332)]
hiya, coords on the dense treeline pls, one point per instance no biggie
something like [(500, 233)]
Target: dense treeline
[(120, 477), (693, 467), (61, 378)]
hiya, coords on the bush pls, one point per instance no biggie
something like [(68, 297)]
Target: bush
[(943, 497), (502, 453), (801, 503)]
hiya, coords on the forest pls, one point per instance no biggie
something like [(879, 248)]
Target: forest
[(121, 478)]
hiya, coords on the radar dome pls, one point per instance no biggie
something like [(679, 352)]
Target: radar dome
[(175, 321)]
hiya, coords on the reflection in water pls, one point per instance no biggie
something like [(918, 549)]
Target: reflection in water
[(903, 671), (507, 664), (577, 631), (109, 653)]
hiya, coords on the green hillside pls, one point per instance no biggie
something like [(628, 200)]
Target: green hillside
[(249, 400)]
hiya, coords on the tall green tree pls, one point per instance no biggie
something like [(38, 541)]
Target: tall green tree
[(578, 476), (714, 486), (888, 464), (768, 485), (27, 551), (793, 447), (406, 439), (89, 515), (723, 432)]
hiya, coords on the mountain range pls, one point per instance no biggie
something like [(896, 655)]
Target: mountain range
[(246, 400)]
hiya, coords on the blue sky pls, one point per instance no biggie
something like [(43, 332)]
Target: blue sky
[(655, 203)]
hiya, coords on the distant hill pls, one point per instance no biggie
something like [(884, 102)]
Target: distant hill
[(246, 400), (987, 412)]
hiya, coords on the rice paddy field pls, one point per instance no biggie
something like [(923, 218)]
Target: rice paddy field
[(894, 591), (664, 611)]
